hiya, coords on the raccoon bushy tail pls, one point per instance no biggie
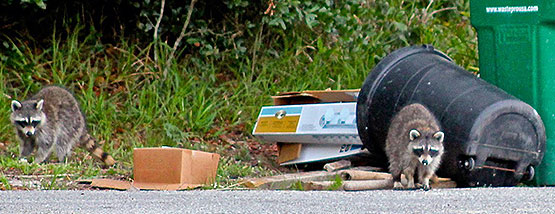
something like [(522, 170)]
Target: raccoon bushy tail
[(90, 144)]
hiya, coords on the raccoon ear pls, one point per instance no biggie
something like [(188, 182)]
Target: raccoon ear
[(413, 134), (39, 104), (15, 105), (439, 136)]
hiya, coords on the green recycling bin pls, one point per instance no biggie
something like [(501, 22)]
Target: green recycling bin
[(516, 45)]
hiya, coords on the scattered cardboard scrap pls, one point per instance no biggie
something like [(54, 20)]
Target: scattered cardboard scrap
[(111, 184)]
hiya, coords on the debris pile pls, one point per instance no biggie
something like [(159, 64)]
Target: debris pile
[(338, 175)]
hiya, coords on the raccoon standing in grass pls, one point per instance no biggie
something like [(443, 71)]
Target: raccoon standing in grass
[(414, 145), (52, 119)]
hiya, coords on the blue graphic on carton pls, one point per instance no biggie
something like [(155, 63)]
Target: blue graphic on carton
[(342, 119)]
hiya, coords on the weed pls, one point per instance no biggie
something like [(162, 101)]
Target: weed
[(5, 183), (337, 183), (231, 171), (297, 186)]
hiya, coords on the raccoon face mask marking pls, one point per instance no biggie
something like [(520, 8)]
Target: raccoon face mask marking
[(425, 148), (27, 116)]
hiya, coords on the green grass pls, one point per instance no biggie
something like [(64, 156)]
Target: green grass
[(130, 103), (4, 183), (49, 176), (337, 183)]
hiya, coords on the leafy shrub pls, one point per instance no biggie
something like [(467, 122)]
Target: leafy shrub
[(239, 28)]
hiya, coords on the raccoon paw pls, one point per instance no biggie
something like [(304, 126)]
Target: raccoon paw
[(398, 186), (115, 166), (426, 187)]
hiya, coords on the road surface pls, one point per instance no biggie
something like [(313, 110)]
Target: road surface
[(476, 200)]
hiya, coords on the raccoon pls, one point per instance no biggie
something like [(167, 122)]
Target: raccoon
[(414, 145), (52, 119)]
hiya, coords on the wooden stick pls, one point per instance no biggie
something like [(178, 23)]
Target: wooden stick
[(367, 185), (349, 185), (337, 165), (444, 184), (358, 185), (178, 40), (364, 175), (319, 185), (163, 3), (286, 180)]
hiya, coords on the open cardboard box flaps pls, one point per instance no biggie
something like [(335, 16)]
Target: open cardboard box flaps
[(310, 97), (167, 169)]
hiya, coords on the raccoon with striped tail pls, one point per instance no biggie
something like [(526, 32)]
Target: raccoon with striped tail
[(414, 145), (52, 119)]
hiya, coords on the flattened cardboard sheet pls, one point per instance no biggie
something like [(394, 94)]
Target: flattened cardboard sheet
[(155, 186), (111, 184)]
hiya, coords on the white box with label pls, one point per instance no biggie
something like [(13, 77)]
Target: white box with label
[(325, 131)]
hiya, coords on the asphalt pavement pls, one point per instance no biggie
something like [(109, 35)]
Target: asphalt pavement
[(475, 200)]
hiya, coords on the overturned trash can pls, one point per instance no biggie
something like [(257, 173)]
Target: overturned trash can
[(491, 137)]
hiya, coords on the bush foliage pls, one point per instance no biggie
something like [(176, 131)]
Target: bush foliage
[(241, 26)]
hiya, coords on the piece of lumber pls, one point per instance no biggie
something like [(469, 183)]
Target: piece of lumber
[(286, 180), (364, 175), (337, 165), (348, 185), (368, 168), (359, 185), (444, 184), (319, 185)]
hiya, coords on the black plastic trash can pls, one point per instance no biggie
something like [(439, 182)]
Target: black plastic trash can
[(491, 137)]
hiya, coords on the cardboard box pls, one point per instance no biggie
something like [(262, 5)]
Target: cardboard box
[(311, 126), (167, 169), (173, 168)]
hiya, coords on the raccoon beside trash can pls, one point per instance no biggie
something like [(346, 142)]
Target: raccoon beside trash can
[(491, 137)]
